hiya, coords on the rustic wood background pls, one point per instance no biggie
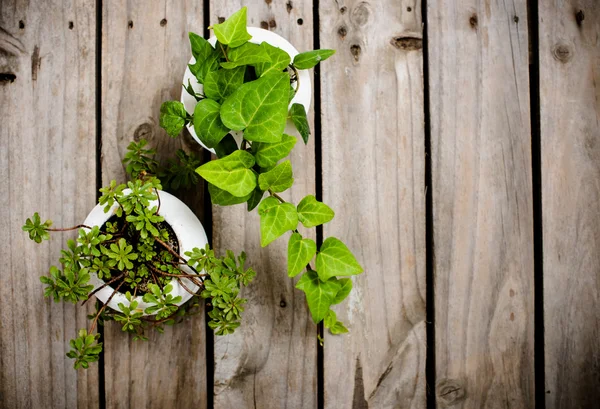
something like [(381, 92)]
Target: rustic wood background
[(457, 141)]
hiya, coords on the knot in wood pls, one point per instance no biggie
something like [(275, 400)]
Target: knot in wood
[(144, 131), (361, 13), (7, 77), (450, 392), (407, 43), (355, 50), (579, 17), (562, 52), (473, 21)]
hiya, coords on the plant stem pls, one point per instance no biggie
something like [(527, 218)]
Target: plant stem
[(276, 196), (224, 52), (71, 228), (297, 75), (103, 307), (158, 197), (101, 287)]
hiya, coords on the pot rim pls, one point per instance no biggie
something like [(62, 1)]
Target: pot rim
[(186, 226)]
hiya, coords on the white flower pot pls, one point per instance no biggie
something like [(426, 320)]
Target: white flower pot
[(187, 228), (259, 35)]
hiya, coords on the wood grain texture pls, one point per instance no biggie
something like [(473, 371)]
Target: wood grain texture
[(47, 164), (570, 135), (373, 151), (145, 50), (482, 204), (271, 360)]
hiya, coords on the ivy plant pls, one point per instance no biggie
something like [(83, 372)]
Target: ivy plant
[(247, 88), (137, 253)]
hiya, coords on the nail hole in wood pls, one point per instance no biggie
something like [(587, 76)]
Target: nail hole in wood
[(130, 24), (264, 25), (289, 6), (220, 19), (355, 50), (282, 304), (516, 19), (473, 21), (71, 25), (272, 24), (342, 31), (7, 77), (343, 9), (409, 9), (21, 24), (579, 17), (300, 21), (163, 22)]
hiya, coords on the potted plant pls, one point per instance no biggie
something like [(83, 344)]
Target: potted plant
[(144, 254), (241, 88)]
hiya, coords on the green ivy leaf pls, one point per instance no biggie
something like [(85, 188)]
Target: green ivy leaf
[(345, 286), (335, 326), (247, 54), (259, 107), (227, 146), (219, 84), (231, 173), (224, 198), (309, 59), (312, 213), (255, 198), (319, 294), (334, 259), (275, 219), (298, 114), (279, 60), (300, 252), (268, 154), (172, 117), (207, 122), (277, 179), (202, 67), (201, 49), (233, 31)]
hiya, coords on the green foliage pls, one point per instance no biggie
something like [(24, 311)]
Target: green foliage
[(138, 159), (85, 349), (37, 230), (268, 154), (70, 285), (90, 241), (207, 122), (224, 198), (335, 326), (231, 173), (279, 60), (110, 196), (246, 54), (164, 304), (275, 219), (319, 294), (173, 117), (335, 259), (298, 115), (130, 319), (145, 220), (309, 59), (300, 253), (140, 196), (180, 172), (120, 255), (277, 179), (259, 108), (233, 31), (220, 84), (313, 213)]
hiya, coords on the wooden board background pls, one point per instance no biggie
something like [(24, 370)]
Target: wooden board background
[(570, 152), (474, 64)]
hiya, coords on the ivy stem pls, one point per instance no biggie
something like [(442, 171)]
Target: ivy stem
[(297, 75), (276, 196), (224, 52), (102, 286), (185, 287), (103, 307)]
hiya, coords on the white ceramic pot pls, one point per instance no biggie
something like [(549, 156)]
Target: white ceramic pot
[(187, 228), (259, 35)]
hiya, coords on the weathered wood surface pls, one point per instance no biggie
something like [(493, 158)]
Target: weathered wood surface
[(482, 204), (570, 149), (47, 164), (145, 50), (373, 177), (271, 360)]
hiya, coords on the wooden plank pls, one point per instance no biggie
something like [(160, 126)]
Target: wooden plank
[(482, 204), (145, 49), (570, 112), (271, 360), (373, 177), (47, 164)]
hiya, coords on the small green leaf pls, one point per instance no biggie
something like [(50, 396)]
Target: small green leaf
[(219, 84), (207, 122), (227, 146), (201, 49), (231, 173), (345, 286), (201, 68), (334, 259), (246, 54), (258, 107), (319, 294), (233, 31), (279, 60), (275, 219), (172, 117), (312, 213), (299, 119), (300, 252), (255, 198), (268, 154), (338, 328), (277, 179), (335, 326), (224, 198), (309, 59)]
